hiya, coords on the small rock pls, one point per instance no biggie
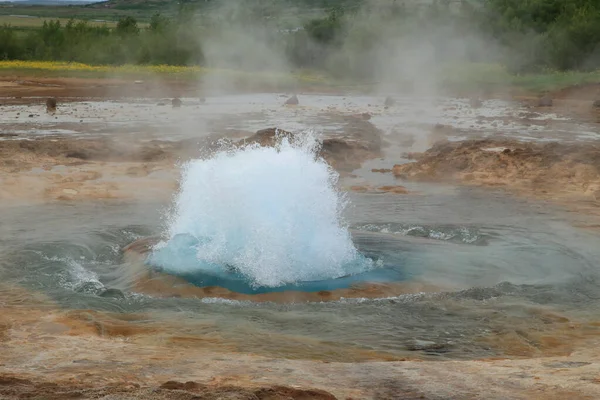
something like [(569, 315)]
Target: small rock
[(292, 101), (596, 104), (545, 102), (202, 100), (90, 287), (161, 104), (51, 105), (427, 346), (389, 101), (176, 102), (31, 115)]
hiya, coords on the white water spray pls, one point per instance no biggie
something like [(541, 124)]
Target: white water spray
[(271, 215)]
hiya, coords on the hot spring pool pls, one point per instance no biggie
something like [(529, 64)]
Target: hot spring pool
[(273, 220)]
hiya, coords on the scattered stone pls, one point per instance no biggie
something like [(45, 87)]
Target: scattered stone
[(176, 102), (292, 101), (389, 101), (51, 105), (545, 101)]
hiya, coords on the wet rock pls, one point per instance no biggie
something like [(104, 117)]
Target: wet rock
[(176, 102), (292, 101), (90, 287), (51, 105), (545, 101), (112, 294), (389, 101)]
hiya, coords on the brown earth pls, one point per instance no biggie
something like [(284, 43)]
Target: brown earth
[(560, 172), (23, 89), (47, 352), (70, 168)]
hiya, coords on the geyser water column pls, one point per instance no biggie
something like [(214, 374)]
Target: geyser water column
[(256, 219)]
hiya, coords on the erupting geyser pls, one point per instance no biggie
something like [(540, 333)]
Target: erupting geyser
[(267, 216)]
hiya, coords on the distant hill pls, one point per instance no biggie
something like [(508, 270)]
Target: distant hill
[(46, 2), (167, 4)]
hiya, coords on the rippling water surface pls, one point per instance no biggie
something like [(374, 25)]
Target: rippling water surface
[(497, 262)]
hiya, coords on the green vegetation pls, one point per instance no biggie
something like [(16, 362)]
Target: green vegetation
[(350, 40)]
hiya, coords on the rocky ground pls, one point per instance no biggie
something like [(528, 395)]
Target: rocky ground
[(47, 352), (563, 173)]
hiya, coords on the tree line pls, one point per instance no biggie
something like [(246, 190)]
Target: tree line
[(525, 35)]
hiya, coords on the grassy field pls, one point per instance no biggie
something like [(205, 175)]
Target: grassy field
[(493, 76), (459, 77), (76, 12), (79, 70), (29, 21)]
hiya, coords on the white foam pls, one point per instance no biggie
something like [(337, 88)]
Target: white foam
[(271, 215)]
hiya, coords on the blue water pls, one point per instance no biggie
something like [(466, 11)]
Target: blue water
[(181, 254)]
